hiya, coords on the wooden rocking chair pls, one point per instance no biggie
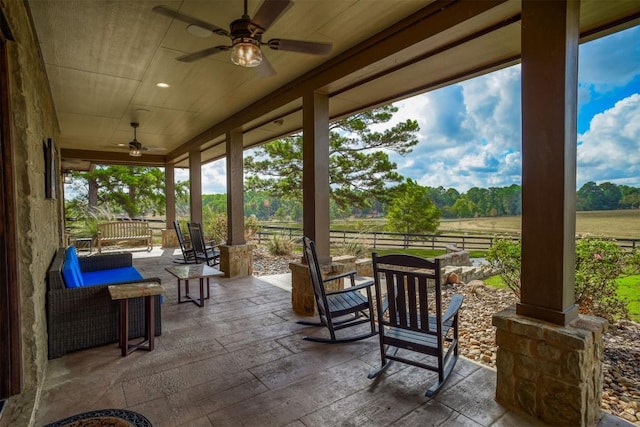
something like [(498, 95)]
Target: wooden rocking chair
[(202, 252), (339, 309), (187, 251), (411, 319)]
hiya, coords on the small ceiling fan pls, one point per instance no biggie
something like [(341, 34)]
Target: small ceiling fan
[(134, 146), (246, 37)]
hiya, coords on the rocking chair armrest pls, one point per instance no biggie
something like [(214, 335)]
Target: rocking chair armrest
[(454, 306), (351, 273), (363, 285)]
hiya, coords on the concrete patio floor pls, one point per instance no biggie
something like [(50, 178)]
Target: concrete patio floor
[(241, 360)]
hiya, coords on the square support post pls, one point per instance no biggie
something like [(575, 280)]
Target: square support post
[(315, 180), (235, 189), (549, 359), (550, 32), (195, 186)]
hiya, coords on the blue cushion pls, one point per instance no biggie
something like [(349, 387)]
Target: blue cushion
[(114, 275), (71, 269)]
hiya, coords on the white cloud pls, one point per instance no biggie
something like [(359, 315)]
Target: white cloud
[(469, 133), (610, 149), (214, 177)]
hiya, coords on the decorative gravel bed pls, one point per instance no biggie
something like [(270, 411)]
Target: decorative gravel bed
[(621, 393)]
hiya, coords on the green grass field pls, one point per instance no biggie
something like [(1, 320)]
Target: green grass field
[(628, 291), (620, 223)]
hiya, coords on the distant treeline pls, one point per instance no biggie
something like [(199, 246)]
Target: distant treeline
[(477, 202)]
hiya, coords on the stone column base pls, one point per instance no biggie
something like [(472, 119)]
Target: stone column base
[(303, 300), (169, 238), (236, 260), (551, 372)]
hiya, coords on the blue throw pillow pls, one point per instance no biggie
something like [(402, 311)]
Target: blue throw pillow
[(71, 269)]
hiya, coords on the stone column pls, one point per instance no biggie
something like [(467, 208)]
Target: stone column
[(236, 260), (302, 297), (551, 372)]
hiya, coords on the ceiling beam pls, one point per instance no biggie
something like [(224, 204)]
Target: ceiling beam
[(108, 157)]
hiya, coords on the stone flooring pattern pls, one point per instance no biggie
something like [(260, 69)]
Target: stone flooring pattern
[(241, 360)]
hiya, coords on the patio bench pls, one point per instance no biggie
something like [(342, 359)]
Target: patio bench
[(119, 231)]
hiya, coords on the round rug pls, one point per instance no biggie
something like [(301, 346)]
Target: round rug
[(104, 418)]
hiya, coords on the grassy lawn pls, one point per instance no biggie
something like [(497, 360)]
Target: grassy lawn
[(628, 291)]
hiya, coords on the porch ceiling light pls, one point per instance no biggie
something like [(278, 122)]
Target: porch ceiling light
[(135, 149), (246, 52)]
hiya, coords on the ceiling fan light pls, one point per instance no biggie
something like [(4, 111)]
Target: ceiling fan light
[(135, 149), (246, 52)]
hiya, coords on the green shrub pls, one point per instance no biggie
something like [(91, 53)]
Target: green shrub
[(280, 245), (92, 217), (251, 227), (598, 263), (352, 247), (214, 226), (504, 258)]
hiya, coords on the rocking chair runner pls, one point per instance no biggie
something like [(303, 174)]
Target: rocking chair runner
[(202, 251), (411, 319), (338, 309)]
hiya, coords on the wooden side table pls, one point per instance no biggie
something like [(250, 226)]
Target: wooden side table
[(193, 271), (124, 293)]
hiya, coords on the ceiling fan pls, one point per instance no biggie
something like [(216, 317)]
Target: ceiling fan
[(134, 146), (246, 37)]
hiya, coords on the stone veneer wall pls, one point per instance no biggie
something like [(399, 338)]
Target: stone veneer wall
[(39, 220), (551, 372), (303, 300), (236, 260)]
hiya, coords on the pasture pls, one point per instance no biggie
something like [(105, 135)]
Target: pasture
[(620, 224)]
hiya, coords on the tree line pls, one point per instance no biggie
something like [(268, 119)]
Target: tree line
[(476, 202)]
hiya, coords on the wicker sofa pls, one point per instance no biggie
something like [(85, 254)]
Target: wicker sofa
[(84, 317)]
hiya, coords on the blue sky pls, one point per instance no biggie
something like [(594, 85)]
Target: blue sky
[(470, 133)]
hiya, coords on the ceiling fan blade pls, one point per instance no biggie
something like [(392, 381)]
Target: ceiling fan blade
[(269, 11), (190, 57), (313, 48), (172, 13), (265, 69)]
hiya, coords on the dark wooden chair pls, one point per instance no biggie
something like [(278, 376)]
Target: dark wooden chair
[(201, 251), (410, 316), (187, 250), (339, 309)]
